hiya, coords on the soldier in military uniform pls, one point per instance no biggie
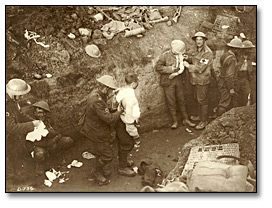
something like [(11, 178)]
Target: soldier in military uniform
[(95, 125), (172, 74), (53, 145), (18, 125), (200, 76), (227, 82)]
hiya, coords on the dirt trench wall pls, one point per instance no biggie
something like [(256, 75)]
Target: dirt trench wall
[(74, 74)]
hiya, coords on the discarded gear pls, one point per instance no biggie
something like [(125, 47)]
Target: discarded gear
[(98, 17), (88, 155), (85, 31), (154, 14), (33, 35), (97, 34), (164, 19), (134, 32), (177, 14), (75, 163), (93, 51)]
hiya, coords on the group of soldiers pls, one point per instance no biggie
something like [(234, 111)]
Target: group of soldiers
[(108, 108), (234, 77), (111, 108)]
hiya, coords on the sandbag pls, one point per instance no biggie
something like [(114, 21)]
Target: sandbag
[(217, 177)]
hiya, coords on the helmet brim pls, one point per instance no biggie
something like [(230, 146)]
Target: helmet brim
[(233, 46), (13, 92), (193, 38)]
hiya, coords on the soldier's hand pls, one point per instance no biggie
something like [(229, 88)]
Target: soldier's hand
[(171, 76), (36, 123), (174, 68), (186, 64)]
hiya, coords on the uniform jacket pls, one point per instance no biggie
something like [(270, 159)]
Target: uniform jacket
[(200, 67), (228, 70), (164, 67), (96, 121), (17, 123)]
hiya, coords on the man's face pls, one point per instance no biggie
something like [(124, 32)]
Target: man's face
[(40, 114), (18, 97), (199, 42)]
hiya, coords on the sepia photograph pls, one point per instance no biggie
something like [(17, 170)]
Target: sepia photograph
[(136, 99)]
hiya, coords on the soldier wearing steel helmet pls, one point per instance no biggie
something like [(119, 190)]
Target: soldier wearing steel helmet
[(95, 125), (18, 125), (50, 147), (245, 74), (172, 75), (228, 77), (200, 76)]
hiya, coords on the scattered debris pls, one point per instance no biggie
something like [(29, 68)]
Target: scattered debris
[(177, 14), (134, 32), (93, 51), (32, 35), (75, 163), (88, 155), (98, 17), (48, 75), (135, 169), (71, 35), (189, 130)]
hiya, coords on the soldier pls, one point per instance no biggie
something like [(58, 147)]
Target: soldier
[(18, 125), (200, 76), (95, 125), (244, 74), (54, 144), (171, 69), (228, 77)]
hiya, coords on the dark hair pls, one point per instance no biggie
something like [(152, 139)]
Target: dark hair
[(131, 77)]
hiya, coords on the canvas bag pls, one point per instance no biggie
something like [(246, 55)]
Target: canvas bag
[(217, 177)]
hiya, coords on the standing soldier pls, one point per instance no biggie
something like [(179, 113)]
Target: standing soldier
[(171, 69), (200, 76), (244, 73), (17, 126), (95, 125), (228, 77)]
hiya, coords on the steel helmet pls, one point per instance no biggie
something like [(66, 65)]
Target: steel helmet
[(108, 80), (199, 34), (17, 87), (178, 46), (247, 44), (235, 42), (42, 104), (93, 51)]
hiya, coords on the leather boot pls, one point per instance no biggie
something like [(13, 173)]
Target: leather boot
[(204, 117), (186, 122), (97, 173), (123, 166), (174, 125), (126, 172)]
